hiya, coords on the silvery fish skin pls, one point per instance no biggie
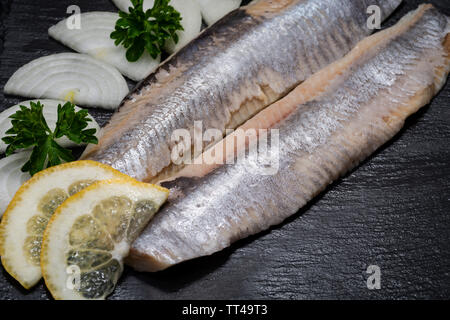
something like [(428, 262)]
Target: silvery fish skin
[(240, 65), (367, 97)]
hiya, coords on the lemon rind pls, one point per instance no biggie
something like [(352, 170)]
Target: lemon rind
[(55, 292), (18, 197)]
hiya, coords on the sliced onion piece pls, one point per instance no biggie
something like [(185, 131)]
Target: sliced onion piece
[(50, 112), (75, 77), (12, 177), (214, 10), (192, 23), (94, 39), (123, 5), (189, 11)]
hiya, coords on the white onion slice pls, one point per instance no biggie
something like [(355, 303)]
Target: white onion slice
[(214, 10), (192, 23), (50, 112), (189, 11), (11, 177), (94, 39), (123, 5), (75, 77)]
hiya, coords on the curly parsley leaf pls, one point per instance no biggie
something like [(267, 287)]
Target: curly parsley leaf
[(30, 130), (138, 31), (72, 125)]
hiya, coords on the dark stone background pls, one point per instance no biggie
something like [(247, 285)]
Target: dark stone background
[(392, 211)]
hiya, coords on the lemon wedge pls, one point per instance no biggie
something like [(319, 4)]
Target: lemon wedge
[(90, 234), (29, 211)]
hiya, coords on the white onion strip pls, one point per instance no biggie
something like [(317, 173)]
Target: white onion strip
[(50, 112), (11, 177), (214, 10), (94, 39), (191, 22), (78, 78)]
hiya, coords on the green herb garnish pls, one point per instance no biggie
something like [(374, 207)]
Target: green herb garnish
[(29, 129), (138, 30)]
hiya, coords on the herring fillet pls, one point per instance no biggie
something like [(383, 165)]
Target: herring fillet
[(366, 98), (240, 65)]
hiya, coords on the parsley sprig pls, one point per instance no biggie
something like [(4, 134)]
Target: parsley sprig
[(138, 30), (29, 129)]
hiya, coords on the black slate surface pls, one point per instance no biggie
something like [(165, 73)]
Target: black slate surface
[(392, 211)]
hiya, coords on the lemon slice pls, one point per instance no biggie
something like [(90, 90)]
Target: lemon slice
[(91, 233), (29, 211)]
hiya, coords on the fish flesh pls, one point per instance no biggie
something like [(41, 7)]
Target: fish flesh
[(240, 65), (358, 104), (365, 100)]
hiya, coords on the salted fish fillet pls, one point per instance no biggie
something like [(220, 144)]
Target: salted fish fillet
[(242, 64), (364, 101)]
